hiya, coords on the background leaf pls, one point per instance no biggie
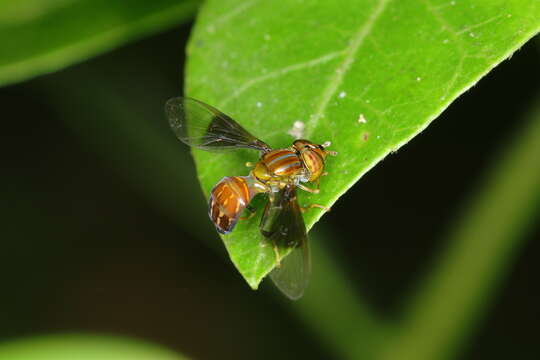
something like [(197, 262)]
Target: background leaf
[(366, 75), (40, 36), (83, 347)]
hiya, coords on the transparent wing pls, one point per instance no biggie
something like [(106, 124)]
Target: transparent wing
[(292, 277), (202, 126), (283, 224)]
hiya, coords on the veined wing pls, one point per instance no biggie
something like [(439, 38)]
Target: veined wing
[(202, 126), (282, 223)]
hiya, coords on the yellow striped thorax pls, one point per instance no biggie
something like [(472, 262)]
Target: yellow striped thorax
[(303, 161), (278, 164)]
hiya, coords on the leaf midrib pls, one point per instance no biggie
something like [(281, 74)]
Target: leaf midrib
[(356, 43)]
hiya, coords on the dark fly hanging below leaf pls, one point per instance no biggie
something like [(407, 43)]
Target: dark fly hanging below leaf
[(278, 173), (283, 224)]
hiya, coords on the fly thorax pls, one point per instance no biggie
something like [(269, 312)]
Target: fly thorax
[(282, 163), (260, 172)]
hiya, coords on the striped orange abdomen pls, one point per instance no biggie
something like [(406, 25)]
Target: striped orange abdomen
[(282, 162), (228, 200)]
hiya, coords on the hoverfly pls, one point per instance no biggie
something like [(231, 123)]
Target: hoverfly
[(278, 173)]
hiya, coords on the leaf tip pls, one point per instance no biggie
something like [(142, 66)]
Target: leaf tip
[(254, 281)]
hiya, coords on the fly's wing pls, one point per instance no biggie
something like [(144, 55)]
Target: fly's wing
[(202, 126), (292, 277), (283, 225)]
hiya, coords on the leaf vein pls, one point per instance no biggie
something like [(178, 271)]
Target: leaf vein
[(453, 79), (445, 25), (232, 13), (458, 43), (480, 24), (351, 51), (280, 72)]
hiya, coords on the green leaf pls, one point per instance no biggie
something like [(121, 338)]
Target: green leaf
[(40, 36), (82, 347), (366, 75)]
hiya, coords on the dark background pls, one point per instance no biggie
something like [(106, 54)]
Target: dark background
[(88, 246)]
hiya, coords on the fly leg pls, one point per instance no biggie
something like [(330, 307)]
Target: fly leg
[(252, 212), (276, 253), (313, 191), (274, 245), (304, 209), (305, 188), (271, 199)]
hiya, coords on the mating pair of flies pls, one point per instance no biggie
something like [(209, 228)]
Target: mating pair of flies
[(277, 174)]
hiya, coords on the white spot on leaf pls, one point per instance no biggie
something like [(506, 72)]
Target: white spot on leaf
[(297, 130), (362, 119)]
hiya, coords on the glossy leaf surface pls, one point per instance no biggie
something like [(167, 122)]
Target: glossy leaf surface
[(367, 75)]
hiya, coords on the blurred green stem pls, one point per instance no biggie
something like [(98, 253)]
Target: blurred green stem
[(332, 309), (481, 249), (157, 166)]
